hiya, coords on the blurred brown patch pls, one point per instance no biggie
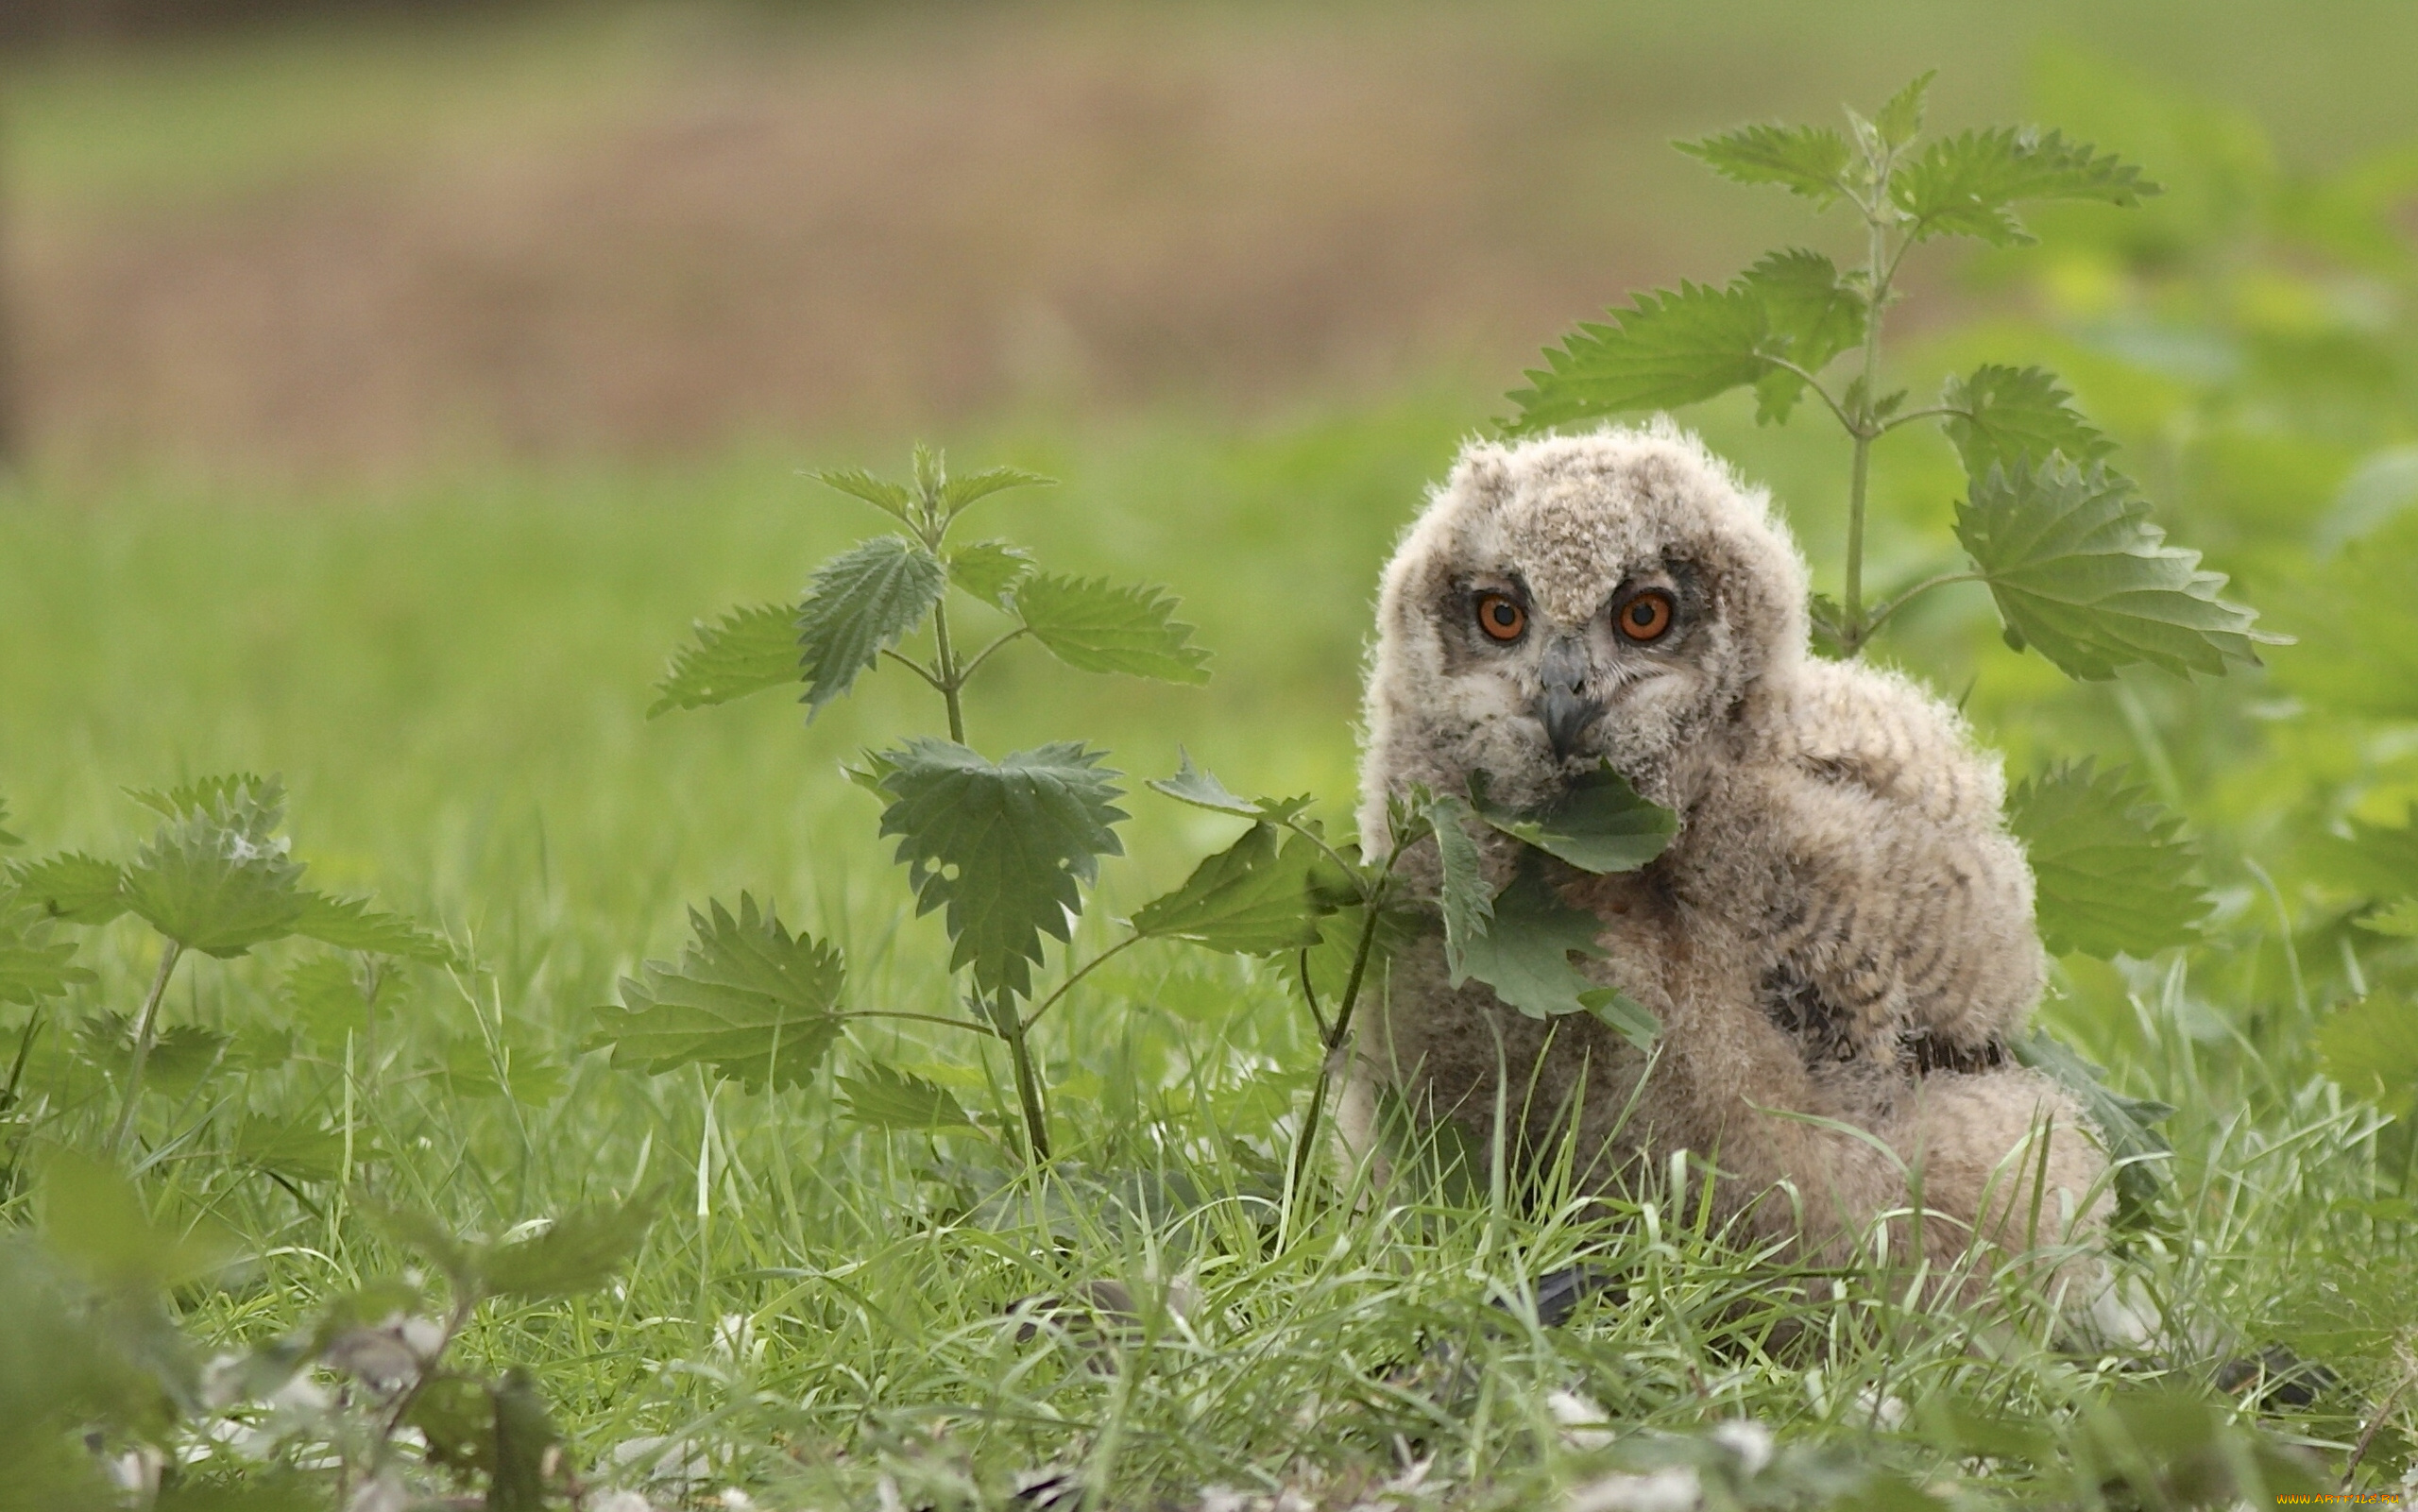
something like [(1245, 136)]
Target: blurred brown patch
[(900, 226)]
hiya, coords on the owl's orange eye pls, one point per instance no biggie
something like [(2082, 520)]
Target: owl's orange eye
[(1647, 616), (1501, 616)]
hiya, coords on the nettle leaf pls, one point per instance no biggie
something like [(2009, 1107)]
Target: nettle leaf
[(889, 498), (209, 795), (1900, 119), (94, 1218), (75, 887), (2012, 416), (1524, 957), (746, 651), (299, 1150), (990, 570), (1002, 845), (857, 605), (1810, 317), (1462, 894), (2081, 576), (217, 879), (33, 967), (1665, 351), (1088, 625), (747, 997), (955, 494), (882, 1098), (2400, 920), (1967, 184), (577, 1253), (2377, 859), (352, 924), (1669, 349), (1598, 824), (2371, 1047), (1202, 789), (1262, 895), (2128, 1126), (1804, 160), (2113, 875)]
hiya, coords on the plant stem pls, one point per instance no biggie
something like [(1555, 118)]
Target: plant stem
[(1082, 972), (949, 680), (1036, 1115), (145, 1030), (1336, 1038)]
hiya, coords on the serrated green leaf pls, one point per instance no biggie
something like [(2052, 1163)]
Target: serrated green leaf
[(330, 996), (1968, 184), (2081, 576), (1810, 317), (209, 795), (955, 494), (1525, 954), (2126, 1125), (2112, 874), (1803, 160), (1462, 894), (1665, 351), (76, 888), (299, 1150), (181, 1054), (990, 570), (577, 1253), (1262, 895), (881, 1098), (746, 651), (1088, 625), (1668, 349), (1191, 785), (526, 1437), (1598, 824), (859, 604), (1329, 963), (350, 924), (2375, 860), (2016, 417), (747, 997), (2400, 920), (1002, 846), (1901, 118), (2371, 1047), (889, 498), (7, 839), (430, 1236), (94, 1218), (34, 968), (215, 877)]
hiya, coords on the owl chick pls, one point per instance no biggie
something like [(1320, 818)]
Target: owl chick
[(1839, 941)]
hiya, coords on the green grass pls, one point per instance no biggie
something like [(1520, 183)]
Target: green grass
[(453, 681), (453, 675)]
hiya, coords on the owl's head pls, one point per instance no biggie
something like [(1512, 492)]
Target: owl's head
[(1576, 597)]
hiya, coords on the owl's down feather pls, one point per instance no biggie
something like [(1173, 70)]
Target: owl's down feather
[(1839, 941)]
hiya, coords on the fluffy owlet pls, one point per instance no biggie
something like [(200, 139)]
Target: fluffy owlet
[(1841, 927)]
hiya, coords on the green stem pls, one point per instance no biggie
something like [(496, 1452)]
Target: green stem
[(1882, 611), (1082, 972), (1337, 1038), (1878, 269), (965, 673), (1036, 1115), (949, 679), (145, 1031)]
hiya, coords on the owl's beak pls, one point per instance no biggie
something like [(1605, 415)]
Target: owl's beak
[(1562, 706)]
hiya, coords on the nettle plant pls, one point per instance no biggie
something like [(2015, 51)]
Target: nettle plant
[(1006, 849), (2062, 538), (216, 878)]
